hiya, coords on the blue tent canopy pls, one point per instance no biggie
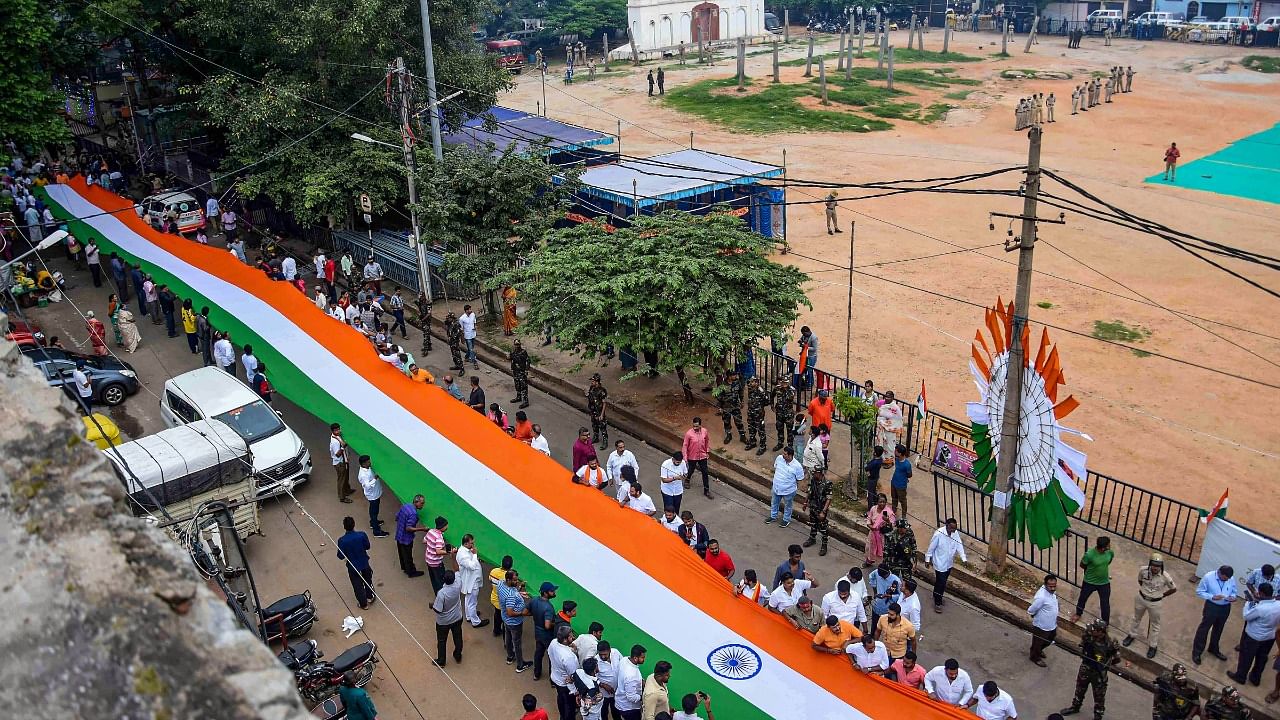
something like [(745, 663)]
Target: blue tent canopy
[(698, 172), (525, 133)]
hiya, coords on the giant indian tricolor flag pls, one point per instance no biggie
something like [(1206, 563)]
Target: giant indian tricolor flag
[(623, 569)]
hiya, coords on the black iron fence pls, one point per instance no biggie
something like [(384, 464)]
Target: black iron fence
[(963, 500)]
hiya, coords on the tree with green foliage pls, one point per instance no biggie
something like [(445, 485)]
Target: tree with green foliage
[(30, 112), (489, 210), (587, 18), (293, 81), (686, 287)]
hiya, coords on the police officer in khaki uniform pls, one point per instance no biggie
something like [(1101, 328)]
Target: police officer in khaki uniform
[(1154, 585), (832, 225)]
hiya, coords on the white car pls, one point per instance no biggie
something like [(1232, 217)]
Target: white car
[(1158, 18), (280, 458), (1271, 24), (184, 208), (1113, 17), (1238, 22)]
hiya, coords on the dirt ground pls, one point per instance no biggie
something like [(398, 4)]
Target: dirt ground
[(1177, 429)]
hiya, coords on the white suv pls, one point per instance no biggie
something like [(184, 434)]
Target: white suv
[(1157, 18), (184, 209), (1271, 24), (279, 458)]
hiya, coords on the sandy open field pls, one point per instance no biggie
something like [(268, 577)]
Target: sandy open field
[(1176, 429)]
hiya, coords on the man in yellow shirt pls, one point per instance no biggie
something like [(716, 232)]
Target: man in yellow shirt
[(835, 636), (498, 576), (654, 700), (895, 631)]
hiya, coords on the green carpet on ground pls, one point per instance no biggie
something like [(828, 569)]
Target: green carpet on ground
[(1248, 168)]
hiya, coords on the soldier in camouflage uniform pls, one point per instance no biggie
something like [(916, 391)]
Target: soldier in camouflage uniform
[(595, 408), (818, 502), (1176, 698), (1098, 652), (1227, 706), (520, 372), (424, 318), (729, 396), (784, 412), (757, 401), (900, 551), (453, 331)]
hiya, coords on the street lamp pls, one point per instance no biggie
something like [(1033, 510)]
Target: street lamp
[(54, 238)]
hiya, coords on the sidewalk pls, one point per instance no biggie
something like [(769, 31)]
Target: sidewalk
[(655, 409)]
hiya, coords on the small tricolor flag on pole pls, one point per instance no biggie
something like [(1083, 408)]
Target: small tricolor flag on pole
[(1219, 510), (922, 404)]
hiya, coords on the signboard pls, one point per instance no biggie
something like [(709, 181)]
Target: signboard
[(366, 205), (368, 218), (954, 458)]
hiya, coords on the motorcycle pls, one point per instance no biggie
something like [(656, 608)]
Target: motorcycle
[(319, 681), (287, 617)]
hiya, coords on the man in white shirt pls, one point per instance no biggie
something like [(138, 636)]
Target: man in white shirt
[(224, 354), (608, 662), (1044, 619), (318, 261), (944, 548), (845, 605), (1261, 615), (637, 500), (992, 703), (353, 313), (689, 707), (674, 471), (84, 388), (789, 591), (341, 468), (949, 684), (470, 580), (289, 268), (909, 601), (250, 362), (868, 656), (617, 459), (564, 663), (628, 694), (670, 520), (591, 475), (468, 323), (372, 486), (586, 643), (539, 441)]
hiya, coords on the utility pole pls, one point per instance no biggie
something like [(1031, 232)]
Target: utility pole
[(848, 330), (1011, 424), (436, 145), (411, 167)]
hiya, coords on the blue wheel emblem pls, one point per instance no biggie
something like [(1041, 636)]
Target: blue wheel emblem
[(734, 662)]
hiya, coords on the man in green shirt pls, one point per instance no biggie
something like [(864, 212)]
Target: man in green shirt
[(1097, 578)]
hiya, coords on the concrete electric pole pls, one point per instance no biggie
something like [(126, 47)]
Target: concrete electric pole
[(436, 146)]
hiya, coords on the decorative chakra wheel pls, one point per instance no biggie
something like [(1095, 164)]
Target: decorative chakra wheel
[(1047, 470), (734, 662)]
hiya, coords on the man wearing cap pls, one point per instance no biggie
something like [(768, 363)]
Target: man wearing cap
[(817, 503), (1176, 698), (900, 550), (1218, 590), (832, 635), (803, 615), (729, 398), (832, 225), (453, 335), (1226, 706), (1098, 652), (544, 617), (783, 399), (596, 395), (757, 401), (1154, 585)]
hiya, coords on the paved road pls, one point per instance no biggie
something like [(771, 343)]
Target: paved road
[(294, 555)]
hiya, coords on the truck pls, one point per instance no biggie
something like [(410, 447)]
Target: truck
[(509, 53), (183, 468)]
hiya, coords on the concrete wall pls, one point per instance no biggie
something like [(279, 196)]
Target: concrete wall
[(104, 616), (662, 23)]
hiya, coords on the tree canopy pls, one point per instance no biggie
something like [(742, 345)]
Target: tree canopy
[(587, 18), (687, 287), (30, 114)]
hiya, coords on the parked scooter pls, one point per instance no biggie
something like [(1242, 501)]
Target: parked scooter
[(319, 680), (285, 618)]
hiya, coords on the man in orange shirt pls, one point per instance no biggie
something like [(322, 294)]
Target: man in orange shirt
[(835, 636), (524, 428), (418, 374), (820, 409)]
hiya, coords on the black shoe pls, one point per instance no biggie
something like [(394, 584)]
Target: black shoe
[(524, 404), (1127, 641), (523, 666), (1151, 652), (1069, 711), (1217, 654), (381, 534), (743, 438), (1196, 658), (415, 573), (823, 550), (708, 494), (483, 623), (769, 520), (760, 451), (728, 438), (457, 657), (1238, 679), (439, 662), (749, 446), (839, 230), (830, 233), (809, 543), (514, 400), (785, 523), (510, 660), (777, 447)]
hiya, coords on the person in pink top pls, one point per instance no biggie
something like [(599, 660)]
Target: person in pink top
[(697, 445), (909, 671)]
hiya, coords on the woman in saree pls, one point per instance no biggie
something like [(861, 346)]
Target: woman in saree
[(128, 330), (113, 313), (97, 334), (889, 428), (509, 319), (880, 518)]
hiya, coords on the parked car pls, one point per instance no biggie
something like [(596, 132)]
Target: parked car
[(184, 208), (1098, 17), (279, 457), (1270, 24), (772, 24), (1198, 20), (1158, 18), (1238, 22), (112, 380)]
